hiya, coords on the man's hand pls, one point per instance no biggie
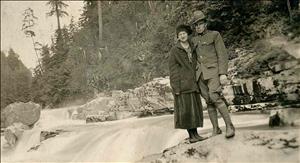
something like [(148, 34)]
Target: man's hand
[(223, 79)]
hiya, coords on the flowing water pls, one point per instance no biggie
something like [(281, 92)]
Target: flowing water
[(123, 140)]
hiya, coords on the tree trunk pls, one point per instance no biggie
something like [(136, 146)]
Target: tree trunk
[(289, 9), (37, 56), (100, 24), (58, 21)]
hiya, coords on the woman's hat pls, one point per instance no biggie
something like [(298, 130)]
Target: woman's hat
[(197, 16), (184, 28)]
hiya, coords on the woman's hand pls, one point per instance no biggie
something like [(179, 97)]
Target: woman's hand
[(223, 79)]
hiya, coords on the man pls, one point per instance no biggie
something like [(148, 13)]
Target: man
[(211, 71)]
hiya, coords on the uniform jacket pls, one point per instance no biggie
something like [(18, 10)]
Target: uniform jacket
[(211, 54), (182, 71)]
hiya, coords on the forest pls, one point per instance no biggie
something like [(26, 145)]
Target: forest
[(119, 45)]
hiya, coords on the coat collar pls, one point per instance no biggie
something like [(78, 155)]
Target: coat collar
[(201, 34), (192, 46)]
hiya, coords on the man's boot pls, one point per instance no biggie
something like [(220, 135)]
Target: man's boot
[(213, 116), (230, 130), (192, 137), (195, 132)]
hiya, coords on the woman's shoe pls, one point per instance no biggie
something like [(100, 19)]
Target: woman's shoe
[(200, 138), (193, 140)]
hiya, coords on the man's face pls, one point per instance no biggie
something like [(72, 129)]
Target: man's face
[(182, 36), (200, 26)]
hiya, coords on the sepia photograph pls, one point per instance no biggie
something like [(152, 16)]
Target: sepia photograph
[(150, 81)]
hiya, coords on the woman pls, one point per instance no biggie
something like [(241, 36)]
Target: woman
[(187, 103)]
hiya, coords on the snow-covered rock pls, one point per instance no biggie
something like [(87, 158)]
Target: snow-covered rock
[(26, 113), (14, 132), (287, 116), (250, 146)]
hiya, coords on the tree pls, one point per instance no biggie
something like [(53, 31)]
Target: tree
[(27, 27), (15, 79), (100, 22), (57, 7)]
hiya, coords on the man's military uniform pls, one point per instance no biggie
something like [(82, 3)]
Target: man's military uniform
[(212, 62)]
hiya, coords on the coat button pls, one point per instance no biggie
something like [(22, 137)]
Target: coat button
[(201, 57)]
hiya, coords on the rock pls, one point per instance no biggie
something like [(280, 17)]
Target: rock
[(34, 148), (26, 113), (95, 118), (124, 114), (2, 131), (248, 107), (94, 107), (112, 116), (14, 132), (284, 66), (156, 112), (10, 137), (287, 116), (274, 119), (44, 135), (74, 114)]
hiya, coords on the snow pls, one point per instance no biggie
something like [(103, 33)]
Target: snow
[(122, 140)]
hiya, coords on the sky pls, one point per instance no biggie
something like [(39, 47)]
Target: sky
[(11, 23)]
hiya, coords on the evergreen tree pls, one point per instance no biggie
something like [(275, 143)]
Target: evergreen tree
[(57, 9), (15, 79)]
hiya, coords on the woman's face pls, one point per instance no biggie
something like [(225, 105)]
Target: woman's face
[(182, 36), (200, 27)]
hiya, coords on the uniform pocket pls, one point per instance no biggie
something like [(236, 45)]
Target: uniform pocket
[(207, 42)]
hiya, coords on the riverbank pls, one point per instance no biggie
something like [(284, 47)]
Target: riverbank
[(250, 144), (124, 140)]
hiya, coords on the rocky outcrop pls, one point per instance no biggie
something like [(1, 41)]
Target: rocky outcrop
[(249, 107), (256, 77), (14, 132), (257, 146), (25, 113), (152, 98)]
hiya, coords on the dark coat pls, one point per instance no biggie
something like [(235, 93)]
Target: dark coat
[(212, 54), (182, 71)]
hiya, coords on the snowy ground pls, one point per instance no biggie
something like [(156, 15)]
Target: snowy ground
[(125, 140)]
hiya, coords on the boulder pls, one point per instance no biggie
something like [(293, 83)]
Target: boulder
[(94, 107), (283, 66), (285, 116), (112, 116), (95, 118), (44, 135), (156, 94), (14, 132), (156, 112), (25, 113), (124, 114)]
